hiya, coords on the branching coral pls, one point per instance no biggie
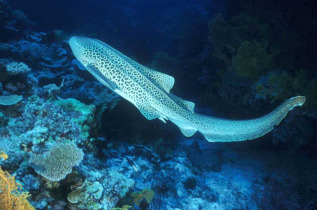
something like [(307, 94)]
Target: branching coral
[(15, 68), (10, 192)]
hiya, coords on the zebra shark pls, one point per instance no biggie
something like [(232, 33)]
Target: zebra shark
[(149, 91)]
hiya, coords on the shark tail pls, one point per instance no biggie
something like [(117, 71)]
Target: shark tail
[(222, 130)]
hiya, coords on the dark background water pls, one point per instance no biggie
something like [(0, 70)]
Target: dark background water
[(153, 25), (136, 25)]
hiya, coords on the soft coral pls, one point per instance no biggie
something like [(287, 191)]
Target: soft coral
[(10, 196)]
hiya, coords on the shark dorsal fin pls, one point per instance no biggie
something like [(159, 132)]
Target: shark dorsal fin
[(163, 80), (186, 104)]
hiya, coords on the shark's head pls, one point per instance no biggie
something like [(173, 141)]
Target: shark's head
[(84, 49)]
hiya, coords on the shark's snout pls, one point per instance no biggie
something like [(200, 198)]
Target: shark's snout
[(81, 48), (77, 44)]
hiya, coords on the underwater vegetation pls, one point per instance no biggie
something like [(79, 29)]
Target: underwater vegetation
[(69, 142)]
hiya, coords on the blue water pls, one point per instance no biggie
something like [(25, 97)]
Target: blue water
[(72, 143)]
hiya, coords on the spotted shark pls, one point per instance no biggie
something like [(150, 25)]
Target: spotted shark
[(149, 91)]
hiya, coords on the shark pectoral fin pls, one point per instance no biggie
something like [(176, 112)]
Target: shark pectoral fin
[(148, 111), (185, 104), (101, 78), (163, 80)]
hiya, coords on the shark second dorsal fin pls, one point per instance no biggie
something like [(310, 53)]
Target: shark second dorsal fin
[(185, 104)]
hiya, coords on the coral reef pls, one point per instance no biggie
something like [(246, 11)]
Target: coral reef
[(141, 199), (10, 100), (12, 22), (58, 162), (279, 85), (103, 187), (139, 196), (44, 120), (87, 195), (15, 68), (11, 195)]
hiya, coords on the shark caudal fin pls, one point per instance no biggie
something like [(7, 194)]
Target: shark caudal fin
[(222, 130)]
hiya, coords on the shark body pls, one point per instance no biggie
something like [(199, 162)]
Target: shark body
[(149, 91)]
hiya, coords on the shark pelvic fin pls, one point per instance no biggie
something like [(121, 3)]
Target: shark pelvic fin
[(185, 104), (148, 111), (188, 132), (163, 80)]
